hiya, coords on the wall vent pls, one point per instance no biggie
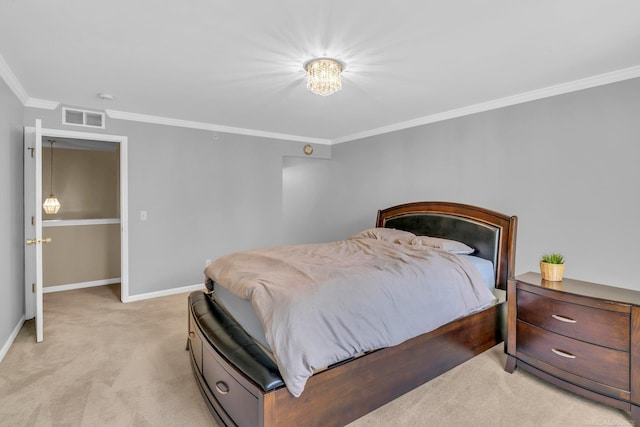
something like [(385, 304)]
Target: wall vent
[(74, 117)]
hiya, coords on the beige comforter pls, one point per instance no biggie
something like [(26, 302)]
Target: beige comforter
[(323, 303)]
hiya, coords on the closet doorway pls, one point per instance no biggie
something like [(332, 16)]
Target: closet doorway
[(85, 243)]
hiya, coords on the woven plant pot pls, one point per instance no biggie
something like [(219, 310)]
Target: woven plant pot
[(551, 272)]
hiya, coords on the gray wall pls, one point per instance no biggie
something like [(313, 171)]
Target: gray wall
[(567, 166), (11, 222), (302, 183), (204, 196)]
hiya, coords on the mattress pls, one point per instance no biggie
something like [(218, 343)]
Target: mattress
[(242, 310), (485, 268)]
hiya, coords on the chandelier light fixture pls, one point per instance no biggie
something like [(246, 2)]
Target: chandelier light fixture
[(51, 205), (324, 75)]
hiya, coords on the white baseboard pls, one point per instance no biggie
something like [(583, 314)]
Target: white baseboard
[(12, 337), (80, 285), (164, 293)]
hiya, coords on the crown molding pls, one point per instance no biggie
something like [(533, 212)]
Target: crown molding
[(14, 84), (602, 79), (560, 89), (41, 103), (123, 115), (12, 81)]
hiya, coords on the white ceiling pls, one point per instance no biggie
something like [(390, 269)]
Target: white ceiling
[(238, 63)]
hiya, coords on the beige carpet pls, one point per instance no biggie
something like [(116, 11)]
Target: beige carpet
[(113, 364)]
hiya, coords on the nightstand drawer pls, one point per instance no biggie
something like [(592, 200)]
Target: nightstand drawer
[(597, 326), (600, 364)]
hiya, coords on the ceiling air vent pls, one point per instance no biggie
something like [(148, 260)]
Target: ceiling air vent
[(92, 119)]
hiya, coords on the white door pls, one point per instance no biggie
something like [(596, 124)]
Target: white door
[(33, 226)]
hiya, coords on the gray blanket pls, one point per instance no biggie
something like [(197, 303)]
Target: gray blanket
[(323, 303)]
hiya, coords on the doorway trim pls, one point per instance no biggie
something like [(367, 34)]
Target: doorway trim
[(124, 195)]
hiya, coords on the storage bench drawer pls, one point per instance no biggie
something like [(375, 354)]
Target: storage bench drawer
[(600, 364), (241, 405), (597, 326), (195, 344)]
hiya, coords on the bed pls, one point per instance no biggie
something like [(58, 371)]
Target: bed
[(240, 379)]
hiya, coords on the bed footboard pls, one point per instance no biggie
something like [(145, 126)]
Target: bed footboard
[(334, 397), (232, 342), (232, 371)]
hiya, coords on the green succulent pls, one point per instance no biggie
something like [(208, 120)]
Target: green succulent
[(553, 258)]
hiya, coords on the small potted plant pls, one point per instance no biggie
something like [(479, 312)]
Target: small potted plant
[(552, 267)]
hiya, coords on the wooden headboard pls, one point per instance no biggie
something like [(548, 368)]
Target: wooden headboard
[(491, 234)]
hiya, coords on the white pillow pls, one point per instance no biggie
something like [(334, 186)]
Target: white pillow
[(451, 246), (387, 234)]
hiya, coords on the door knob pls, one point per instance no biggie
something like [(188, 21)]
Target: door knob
[(34, 241)]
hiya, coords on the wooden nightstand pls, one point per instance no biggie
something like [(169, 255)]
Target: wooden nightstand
[(581, 336)]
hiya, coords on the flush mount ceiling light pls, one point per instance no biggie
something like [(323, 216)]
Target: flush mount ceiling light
[(51, 205), (324, 75)]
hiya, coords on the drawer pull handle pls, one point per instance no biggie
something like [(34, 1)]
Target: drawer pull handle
[(222, 387), (563, 353), (563, 319)]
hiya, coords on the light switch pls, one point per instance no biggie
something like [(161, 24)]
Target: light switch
[(143, 215)]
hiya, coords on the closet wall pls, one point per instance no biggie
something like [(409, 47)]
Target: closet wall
[(86, 230)]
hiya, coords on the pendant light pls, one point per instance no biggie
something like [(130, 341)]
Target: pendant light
[(51, 205)]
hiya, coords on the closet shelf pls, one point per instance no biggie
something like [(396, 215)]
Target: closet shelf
[(74, 222)]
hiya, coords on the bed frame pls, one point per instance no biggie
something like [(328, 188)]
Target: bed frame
[(242, 386)]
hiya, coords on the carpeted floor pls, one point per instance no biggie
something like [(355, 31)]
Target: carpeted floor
[(104, 363)]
